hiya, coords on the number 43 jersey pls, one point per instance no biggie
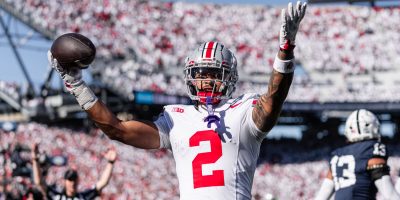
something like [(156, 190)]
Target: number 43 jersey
[(213, 162), (349, 169)]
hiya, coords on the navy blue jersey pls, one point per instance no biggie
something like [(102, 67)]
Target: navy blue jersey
[(349, 169)]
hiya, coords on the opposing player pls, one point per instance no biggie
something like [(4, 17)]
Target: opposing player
[(359, 170), (216, 141)]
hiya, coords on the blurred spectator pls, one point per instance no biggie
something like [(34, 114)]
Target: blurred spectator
[(71, 179), (299, 168), (143, 44), (33, 194)]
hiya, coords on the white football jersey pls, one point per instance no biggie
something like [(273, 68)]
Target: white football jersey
[(213, 163)]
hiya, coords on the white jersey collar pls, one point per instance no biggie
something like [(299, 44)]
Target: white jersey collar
[(222, 106)]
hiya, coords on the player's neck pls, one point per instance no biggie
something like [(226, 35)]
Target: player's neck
[(204, 106)]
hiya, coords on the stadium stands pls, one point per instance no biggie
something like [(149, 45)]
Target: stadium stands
[(143, 44), (141, 174), (344, 54), (11, 89), (129, 181)]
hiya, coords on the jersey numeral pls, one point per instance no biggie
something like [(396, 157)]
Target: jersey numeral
[(348, 165), (217, 176), (379, 149)]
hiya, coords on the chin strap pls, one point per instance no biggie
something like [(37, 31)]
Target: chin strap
[(211, 118)]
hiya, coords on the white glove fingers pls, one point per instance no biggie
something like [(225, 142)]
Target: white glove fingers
[(283, 16), (54, 63), (290, 11), (287, 23), (298, 11), (49, 56), (303, 10)]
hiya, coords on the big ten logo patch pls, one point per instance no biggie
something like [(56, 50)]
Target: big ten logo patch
[(177, 109)]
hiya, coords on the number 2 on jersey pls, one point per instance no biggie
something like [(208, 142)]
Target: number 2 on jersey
[(217, 176)]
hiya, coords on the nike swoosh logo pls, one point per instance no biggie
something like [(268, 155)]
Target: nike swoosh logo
[(233, 106)]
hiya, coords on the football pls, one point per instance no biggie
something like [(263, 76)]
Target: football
[(73, 50)]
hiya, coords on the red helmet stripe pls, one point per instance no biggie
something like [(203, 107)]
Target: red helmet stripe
[(209, 49)]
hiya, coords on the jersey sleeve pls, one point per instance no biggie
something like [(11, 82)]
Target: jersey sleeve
[(252, 127), (163, 124)]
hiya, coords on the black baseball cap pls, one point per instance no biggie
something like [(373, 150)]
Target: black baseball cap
[(71, 175)]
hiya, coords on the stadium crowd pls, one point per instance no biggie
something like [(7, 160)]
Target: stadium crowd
[(141, 174), (136, 174), (142, 44), (347, 54)]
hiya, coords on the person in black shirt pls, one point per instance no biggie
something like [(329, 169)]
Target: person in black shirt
[(71, 180), (33, 194)]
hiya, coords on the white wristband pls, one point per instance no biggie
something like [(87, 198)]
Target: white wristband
[(284, 66), (84, 95)]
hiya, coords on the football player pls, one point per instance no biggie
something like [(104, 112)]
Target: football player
[(216, 141), (359, 169)]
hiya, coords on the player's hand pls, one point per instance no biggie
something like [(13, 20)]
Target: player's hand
[(291, 19), (71, 76), (111, 155)]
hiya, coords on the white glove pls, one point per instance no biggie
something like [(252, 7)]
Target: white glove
[(72, 77), (290, 25), (73, 82)]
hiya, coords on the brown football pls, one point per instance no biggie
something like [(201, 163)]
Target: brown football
[(73, 50)]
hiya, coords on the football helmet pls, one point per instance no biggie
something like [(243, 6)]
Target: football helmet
[(361, 125), (211, 61)]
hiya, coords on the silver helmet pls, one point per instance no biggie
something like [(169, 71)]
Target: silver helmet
[(211, 58)]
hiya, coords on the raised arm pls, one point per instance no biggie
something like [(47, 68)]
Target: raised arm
[(269, 106), (138, 134), (327, 188), (37, 173), (111, 155), (135, 133)]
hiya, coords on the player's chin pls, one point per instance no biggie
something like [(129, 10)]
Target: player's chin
[(208, 90)]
